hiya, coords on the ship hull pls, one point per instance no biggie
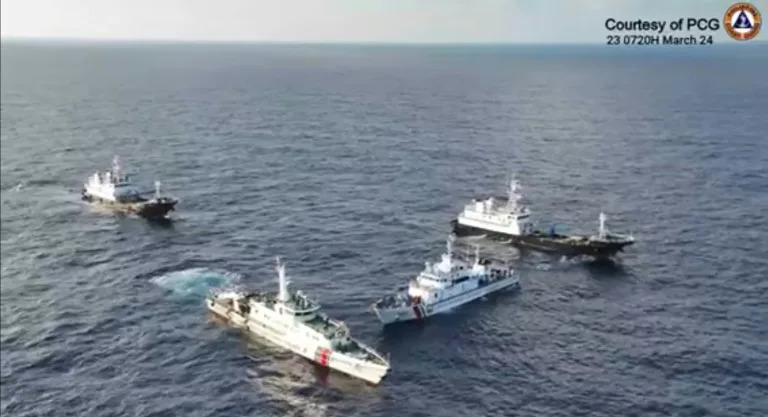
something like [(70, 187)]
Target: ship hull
[(368, 371), (560, 244), (151, 209), (422, 311)]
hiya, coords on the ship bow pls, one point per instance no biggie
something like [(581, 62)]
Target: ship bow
[(157, 208)]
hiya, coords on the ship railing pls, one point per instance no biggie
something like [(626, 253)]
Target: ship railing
[(393, 300), (612, 237)]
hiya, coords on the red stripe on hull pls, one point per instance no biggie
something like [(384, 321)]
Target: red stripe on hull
[(324, 355)]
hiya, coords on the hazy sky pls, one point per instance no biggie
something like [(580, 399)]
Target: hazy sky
[(525, 21)]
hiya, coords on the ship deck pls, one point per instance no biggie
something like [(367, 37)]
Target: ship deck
[(582, 239), (336, 332)]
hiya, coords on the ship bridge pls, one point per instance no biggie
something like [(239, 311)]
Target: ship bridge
[(496, 214)]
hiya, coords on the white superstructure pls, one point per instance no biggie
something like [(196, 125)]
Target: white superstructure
[(444, 286), (293, 321), (496, 215), (113, 186)]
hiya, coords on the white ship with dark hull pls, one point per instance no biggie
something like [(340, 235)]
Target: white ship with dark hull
[(443, 287), (294, 322), (509, 221), (114, 190)]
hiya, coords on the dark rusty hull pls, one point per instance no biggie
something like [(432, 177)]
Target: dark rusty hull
[(565, 245), (150, 209)]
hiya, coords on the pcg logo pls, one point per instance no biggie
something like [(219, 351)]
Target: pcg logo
[(742, 21)]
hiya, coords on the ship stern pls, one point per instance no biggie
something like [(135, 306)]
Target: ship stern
[(371, 371), (389, 315)]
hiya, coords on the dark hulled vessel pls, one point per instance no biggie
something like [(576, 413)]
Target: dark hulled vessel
[(114, 190), (510, 221)]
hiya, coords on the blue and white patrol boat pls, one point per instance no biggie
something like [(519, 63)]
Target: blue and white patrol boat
[(445, 286)]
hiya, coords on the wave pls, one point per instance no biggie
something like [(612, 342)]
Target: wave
[(196, 282), (15, 187)]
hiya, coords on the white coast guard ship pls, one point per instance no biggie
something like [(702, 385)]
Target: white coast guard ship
[(444, 286), (115, 190), (507, 219), (295, 322)]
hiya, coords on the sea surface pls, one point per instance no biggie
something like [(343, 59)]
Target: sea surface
[(349, 161)]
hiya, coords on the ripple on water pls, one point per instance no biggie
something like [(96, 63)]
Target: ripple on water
[(350, 163)]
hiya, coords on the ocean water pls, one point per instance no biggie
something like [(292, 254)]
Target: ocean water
[(349, 162)]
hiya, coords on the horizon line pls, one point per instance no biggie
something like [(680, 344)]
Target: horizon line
[(45, 39), (271, 41), (310, 42)]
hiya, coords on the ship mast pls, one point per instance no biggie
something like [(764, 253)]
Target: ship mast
[(116, 168), (449, 248), (283, 294), (514, 196), (157, 189), (601, 232)]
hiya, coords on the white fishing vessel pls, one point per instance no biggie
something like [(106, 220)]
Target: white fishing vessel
[(115, 190), (507, 219), (293, 321), (444, 286)]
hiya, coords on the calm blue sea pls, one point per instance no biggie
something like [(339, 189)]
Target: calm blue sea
[(349, 162)]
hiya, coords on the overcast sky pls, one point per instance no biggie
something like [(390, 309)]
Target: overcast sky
[(523, 21)]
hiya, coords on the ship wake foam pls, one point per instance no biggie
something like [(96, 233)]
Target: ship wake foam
[(196, 282)]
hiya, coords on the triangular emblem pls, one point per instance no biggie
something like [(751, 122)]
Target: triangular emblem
[(742, 21)]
